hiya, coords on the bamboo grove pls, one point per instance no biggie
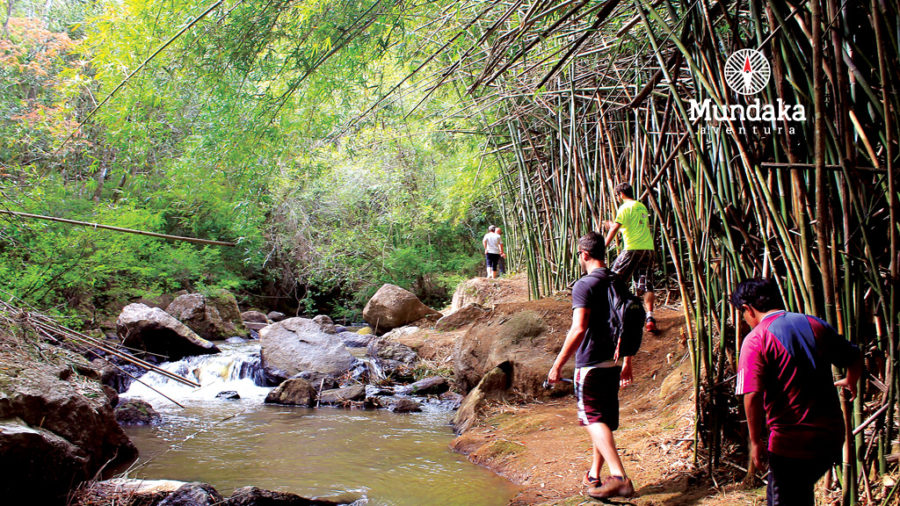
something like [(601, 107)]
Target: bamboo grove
[(595, 93)]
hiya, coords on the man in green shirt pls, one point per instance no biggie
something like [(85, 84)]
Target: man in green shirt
[(636, 261)]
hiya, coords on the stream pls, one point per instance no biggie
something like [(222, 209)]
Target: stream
[(380, 457)]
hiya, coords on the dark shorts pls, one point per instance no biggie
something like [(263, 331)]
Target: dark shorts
[(493, 260), (792, 482), (597, 393), (636, 264)]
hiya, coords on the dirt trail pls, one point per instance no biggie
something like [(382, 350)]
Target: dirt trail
[(540, 446)]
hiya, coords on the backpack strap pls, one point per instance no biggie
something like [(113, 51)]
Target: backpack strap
[(605, 274)]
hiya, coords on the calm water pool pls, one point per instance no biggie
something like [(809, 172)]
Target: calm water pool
[(386, 458)]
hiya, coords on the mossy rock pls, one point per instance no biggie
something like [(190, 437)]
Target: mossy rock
[(522, 325)]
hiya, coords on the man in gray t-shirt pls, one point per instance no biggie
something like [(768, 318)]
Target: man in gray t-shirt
[(493, 250)]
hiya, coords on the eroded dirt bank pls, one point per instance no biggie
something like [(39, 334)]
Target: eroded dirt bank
[(536, 441)]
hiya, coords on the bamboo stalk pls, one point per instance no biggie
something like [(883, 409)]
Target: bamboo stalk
[(117, 229)]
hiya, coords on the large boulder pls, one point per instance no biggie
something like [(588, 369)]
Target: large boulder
[(202, 315), (404, 406), (54, 425), (254, 317), (135, 492), (391, 358), (326, 324), (136, 412), (494, 385), (156, 331), (355, 340), (433, 385), (26, 453), (527, 336), (393, 307), (342, 396), (252, 496), (490, 292), (461, 317), (293, 391), (298, 344), (225, 302), (276, 316), (255, 320), (194, 494)]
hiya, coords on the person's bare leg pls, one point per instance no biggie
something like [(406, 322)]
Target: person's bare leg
[(596, 460), (649, 301), (604, 442)]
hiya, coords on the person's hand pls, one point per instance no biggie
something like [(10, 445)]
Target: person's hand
[(848, 386), (553, 375), (758, 453), (503, 255), (626, 377)]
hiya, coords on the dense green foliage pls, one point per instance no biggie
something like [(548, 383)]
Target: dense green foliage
[(242, 129)]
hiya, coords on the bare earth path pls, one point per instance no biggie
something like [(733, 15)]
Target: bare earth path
[(540, 446)]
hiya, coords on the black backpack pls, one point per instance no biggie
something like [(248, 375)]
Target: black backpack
[(626, 315)]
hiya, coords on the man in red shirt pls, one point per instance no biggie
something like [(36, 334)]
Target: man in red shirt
[(784, 373)]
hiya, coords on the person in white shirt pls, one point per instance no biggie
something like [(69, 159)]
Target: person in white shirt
[(493, 250)]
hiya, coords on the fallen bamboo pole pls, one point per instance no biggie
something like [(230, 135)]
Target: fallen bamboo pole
[(119, 229)]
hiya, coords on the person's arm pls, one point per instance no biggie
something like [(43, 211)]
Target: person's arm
[(573, 340), (484, 243), (753, 406), (849, 382), (626, 376), (502, 253), (750, 383), (842, 353), (612, 233)]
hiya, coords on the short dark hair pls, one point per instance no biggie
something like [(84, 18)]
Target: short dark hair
[(594, 244), (759, 293), (625, 189)]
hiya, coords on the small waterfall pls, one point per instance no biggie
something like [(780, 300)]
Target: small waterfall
[(237, 367), (368, 366)]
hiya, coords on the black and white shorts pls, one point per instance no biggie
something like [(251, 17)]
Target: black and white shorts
[(636, 264), (597, 393)]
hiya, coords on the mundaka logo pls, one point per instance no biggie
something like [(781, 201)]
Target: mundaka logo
[(747, 73)]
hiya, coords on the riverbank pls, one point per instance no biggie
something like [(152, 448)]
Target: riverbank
[(538, 445), (517, 429)]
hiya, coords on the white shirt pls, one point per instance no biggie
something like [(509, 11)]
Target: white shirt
[(493, 241)]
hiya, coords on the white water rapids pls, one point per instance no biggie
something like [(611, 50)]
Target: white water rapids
[(236, 368)]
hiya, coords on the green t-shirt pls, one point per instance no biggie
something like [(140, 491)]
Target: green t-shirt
[(635, 221)]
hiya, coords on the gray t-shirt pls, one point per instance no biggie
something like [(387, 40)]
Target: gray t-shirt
[(493, 241)]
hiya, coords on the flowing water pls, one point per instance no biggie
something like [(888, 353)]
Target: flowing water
[(381, 457)]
